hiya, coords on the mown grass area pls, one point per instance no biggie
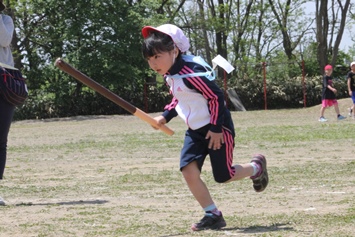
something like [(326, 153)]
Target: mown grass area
[(116, 176)]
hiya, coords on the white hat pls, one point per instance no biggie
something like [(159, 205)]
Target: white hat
[(176, 34), (351, 64)]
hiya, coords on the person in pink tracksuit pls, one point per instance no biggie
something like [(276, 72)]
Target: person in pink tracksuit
[(200, 103)]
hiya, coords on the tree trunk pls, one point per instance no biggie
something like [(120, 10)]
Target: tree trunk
[(204, 30), (344, 11), (325, 52), (322, 23)]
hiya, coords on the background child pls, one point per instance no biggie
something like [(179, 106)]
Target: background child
[(328, 95), (200, 103), (351, 88), (6, 109)]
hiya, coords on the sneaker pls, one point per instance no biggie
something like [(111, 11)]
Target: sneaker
[(210, 221), (2, 202), (322, 119), (261, 180), (341, 117)]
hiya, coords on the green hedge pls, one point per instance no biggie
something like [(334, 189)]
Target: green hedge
[(280, 95), (285, 94)]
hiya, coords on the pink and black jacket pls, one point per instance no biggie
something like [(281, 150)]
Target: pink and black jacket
[(196, 99)]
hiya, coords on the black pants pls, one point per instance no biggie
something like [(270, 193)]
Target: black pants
[(6, 114)]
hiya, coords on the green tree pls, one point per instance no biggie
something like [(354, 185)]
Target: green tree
[(328, 28), (103, 40), (288, 14), (100, 38)]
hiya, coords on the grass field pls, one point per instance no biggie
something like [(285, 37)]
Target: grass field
[(116, 176)]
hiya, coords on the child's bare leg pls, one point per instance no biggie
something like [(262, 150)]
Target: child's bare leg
[(197, 187), (242, 171), (322, 111), (213, 218), (336, 107), (256, 170)]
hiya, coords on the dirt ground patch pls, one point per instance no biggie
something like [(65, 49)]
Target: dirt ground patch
[(116, 176)]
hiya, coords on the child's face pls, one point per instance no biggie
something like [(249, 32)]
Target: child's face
[(353, 68), (162, 62), (328, 72)]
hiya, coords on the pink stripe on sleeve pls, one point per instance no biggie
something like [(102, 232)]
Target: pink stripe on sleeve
[(172, 104)]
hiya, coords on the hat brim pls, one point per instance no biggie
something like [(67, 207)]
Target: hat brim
[(147, 29)]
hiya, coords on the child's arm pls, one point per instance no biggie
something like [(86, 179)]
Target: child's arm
[(6, 30), (327, 85), (332, 88), (169, 110), (216, 140), (160, 120), (168, 114), (349, 87)]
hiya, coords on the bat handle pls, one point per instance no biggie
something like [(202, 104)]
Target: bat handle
[(167, 130), (140, 114)]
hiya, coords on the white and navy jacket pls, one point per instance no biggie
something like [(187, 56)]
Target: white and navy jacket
[(197, 100)]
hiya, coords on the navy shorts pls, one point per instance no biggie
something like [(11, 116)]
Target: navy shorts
[(196, 149), (353, 97)]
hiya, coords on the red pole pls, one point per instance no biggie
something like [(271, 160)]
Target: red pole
[(304, 85), (225, 88), (265, 97)]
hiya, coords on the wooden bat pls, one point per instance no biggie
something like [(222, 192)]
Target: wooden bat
[(65, 67)]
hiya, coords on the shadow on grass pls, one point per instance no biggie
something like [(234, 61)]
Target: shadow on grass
[(251, 230), (179, 234), (262, 229), (69, 203)]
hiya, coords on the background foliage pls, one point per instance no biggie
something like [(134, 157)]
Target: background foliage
[(103, 40)]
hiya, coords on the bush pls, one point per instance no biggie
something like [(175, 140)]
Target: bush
[(287, 93), (281, 94)]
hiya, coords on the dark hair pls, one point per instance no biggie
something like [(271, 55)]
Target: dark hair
[(2, 6), (155, 43)]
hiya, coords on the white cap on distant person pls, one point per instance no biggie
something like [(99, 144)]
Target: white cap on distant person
[(176, 34), (351, 64)]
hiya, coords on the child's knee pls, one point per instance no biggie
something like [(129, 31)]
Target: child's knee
[(190, 175), (222, 179)]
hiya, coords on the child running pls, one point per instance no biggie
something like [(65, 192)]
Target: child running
[(200, 103), (328, 95), (351, 88)]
